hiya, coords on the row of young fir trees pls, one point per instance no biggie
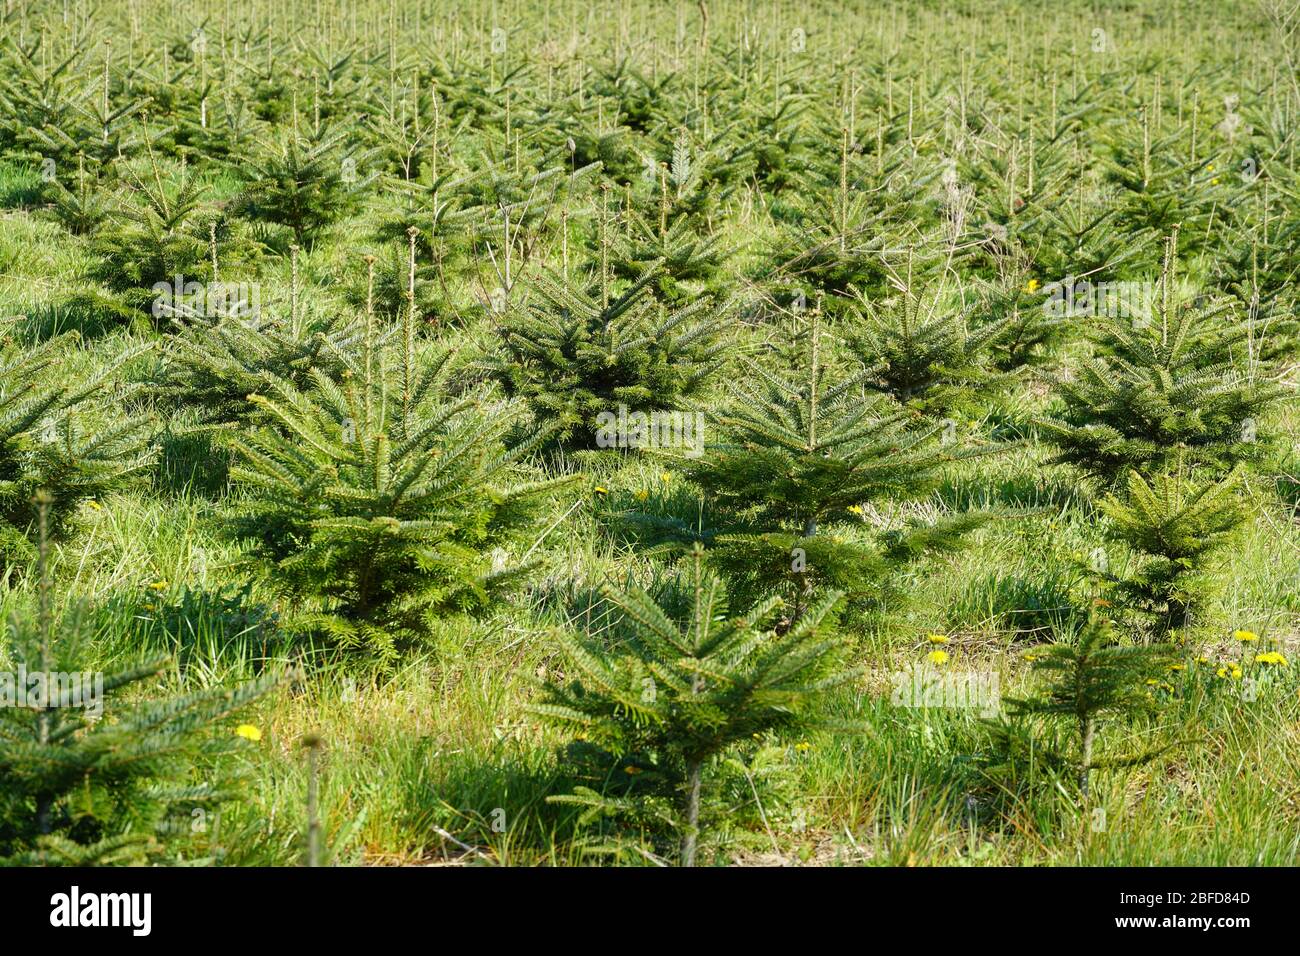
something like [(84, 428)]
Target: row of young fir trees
[(385, 484)]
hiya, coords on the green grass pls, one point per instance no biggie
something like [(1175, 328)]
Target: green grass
[(439, 760)]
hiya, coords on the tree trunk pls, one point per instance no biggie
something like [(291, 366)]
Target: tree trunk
[(1087, 726), (694, 773)]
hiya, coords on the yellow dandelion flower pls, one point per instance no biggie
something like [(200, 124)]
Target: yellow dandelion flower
[(1210, 167), (641, 495), (95, 505), (937, 657), (1202, 660), (803, 746), (158, 586), (1271, 657), (1222, 672), (1152, 682), (248, 732), (1245, 636), (937, 638), (1214, 181), (1031, 285), (601, 490), (1178, 667), (855, 509), (665, 477)]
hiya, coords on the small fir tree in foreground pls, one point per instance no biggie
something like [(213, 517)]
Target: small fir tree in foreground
[(381, 499), (1090, 678), (87, 779), (1176, 525), (670, 682)]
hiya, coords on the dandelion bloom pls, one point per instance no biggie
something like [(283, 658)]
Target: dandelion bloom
[(936, 638), (1271, 657), (248, 732), (1246, 636), (937, 657)]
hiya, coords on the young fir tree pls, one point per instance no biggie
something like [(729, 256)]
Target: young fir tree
[(1175, 525), (82, 207), (806, 449), (686, 264), (56, 435), (1018, 182), (1091, 678), (157, 234), (214, 363), (1166, 181), (836, 250), (302, 182), (1078, 237), (1030, 337), (669, 682), (574, 353), (924, 347), (91, 779), (381, 499), (1257, 261), (1178, 383), (44, 104)]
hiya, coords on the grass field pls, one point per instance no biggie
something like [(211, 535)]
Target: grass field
[(385, 181)]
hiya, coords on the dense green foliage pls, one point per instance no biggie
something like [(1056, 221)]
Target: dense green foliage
[(1090, 677), (672, 681), (87, 780), (316, 318)]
